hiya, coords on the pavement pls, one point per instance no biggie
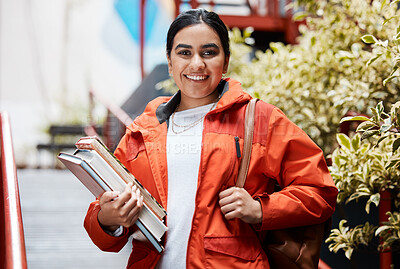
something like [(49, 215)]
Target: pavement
[(54, 205)]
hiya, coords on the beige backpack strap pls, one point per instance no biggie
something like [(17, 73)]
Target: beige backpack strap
[(248, 141)]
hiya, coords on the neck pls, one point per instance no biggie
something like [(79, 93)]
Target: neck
[(188, 103)]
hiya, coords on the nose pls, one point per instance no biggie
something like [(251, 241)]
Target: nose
[(197, 63)]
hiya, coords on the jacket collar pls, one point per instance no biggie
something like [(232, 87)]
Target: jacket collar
[(230, 93), (165, 110)]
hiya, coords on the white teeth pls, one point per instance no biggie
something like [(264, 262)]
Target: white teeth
[(196, 77)]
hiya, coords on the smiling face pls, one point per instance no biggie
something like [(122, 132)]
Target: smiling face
[(197, 62)]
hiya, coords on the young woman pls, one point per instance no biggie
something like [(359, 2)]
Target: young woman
[(184, 151)]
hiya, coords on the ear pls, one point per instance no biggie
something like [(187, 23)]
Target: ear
[(226, 64), (169, 65)]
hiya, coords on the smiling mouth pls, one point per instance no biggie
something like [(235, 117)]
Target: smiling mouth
[(197, 77)]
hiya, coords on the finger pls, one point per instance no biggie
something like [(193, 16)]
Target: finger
[(130, 204), (133, 199), (128, 187), (134, 215), (126, 195), (232, 198), (108, 196), (232, 215), (134, 188), (141, 201), (140, 198), (226, 192), (228, 208), (131, 215)]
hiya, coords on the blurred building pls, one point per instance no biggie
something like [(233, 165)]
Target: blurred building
[(53, 52)]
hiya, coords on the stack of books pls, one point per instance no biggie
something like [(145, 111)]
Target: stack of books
[(99, 170)]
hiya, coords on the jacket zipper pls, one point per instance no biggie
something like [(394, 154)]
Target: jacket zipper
[(238, 154)]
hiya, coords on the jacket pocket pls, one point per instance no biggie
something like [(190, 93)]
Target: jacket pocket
[(247, 248)]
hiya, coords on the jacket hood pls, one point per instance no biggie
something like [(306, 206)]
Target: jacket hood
[(160, 109)]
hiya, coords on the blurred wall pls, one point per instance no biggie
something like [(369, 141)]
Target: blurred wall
[(53, 51)]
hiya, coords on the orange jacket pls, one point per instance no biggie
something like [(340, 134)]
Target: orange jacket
[(282, 152)]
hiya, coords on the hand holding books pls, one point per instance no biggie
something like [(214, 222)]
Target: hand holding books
[(101, 172), (120, 209)]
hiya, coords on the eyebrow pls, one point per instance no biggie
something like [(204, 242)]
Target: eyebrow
[(205, 46), (183, 46), (210, 45)]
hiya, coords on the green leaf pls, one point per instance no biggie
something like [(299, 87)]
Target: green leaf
[(368, 134), (380, 108), (343, 140), (365, 148), (342, 224), (385, 128), (365, 125), (356, 142), (383, 4), (376, 117), (274, 47), (394, 69), (387, 20), (392, 75), (393, 163), (394, 2), (396, 145), (373, 59), (375, 198), (356, 195), (354, 118), (348, 253), (368, 206), (369, 39), (313, 40), (388, 80), (381, 229), (381, 139), (397, 37), (299, 16)]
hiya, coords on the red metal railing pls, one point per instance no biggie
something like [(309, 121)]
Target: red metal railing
[(12, 242), (385, 205)]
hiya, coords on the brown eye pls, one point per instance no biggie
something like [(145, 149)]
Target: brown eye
[(184, 52), (209, 53)]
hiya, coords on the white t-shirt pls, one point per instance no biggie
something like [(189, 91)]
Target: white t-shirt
[(183, 158)]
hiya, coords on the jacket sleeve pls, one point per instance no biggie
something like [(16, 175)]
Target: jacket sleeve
[(100, 238), (308, 194)]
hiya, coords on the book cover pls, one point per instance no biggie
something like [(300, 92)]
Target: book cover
[(97, 176), (94, 143), (84, 173)]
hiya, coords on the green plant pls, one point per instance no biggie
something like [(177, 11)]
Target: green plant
[(329, 72), (317, 81), (390, 231), (349, 239), (367, 164), (358, 170), (363, 167)]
